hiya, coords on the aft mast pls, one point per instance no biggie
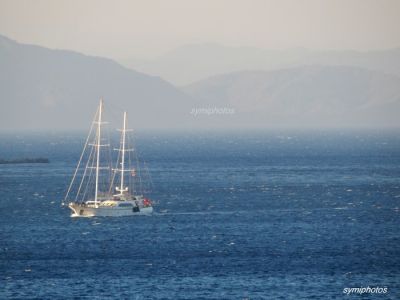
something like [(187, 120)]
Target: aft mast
[(98, 145), (121, 189)]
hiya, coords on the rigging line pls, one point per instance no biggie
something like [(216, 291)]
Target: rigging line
[(114, 111), (80, 159), (139, 171), (133, 163), (114, 173), (109, 162), (140, 175), (90, 178), (84, 173), (116, 167), (131, 181), (148, 176)]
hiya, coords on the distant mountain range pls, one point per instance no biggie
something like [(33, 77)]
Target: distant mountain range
[(305, 96), (191, 63), (42, 88)]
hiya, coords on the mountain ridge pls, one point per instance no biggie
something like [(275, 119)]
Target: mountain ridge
[(42, 88), (327, 95), (190, 63), (60, 84)]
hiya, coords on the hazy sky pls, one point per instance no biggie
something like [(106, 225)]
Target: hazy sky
[(122, 29)]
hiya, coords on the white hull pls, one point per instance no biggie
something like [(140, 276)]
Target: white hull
[(84, 211)]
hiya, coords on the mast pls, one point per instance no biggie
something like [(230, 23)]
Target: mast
[(123, 154), (121, 163), (98, 151)]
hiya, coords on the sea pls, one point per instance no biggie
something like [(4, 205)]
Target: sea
[(246, 214)]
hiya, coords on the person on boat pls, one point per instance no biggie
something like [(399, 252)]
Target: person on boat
[(146, 202)]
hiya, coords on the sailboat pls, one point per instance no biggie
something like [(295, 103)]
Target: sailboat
[(117, 198)]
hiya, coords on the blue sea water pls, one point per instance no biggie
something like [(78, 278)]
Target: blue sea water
[(239, 215)]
